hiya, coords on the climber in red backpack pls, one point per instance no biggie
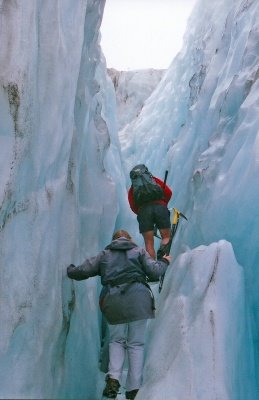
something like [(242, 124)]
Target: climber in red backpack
[(148, 198)]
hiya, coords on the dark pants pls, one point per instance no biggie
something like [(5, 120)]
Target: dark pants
[(151, 215)]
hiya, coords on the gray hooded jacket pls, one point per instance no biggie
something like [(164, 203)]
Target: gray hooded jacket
[(123, 267)]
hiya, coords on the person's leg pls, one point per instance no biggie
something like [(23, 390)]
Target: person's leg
[(146, 228), (104, 352), (135, 350), (163, 223), (165, 235), (149, 243), (164, 248), (117, 348)]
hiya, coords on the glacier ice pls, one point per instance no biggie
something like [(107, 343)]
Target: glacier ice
[(201, 124), (129, 83), (64, 176), (201, 310), (55, 144)]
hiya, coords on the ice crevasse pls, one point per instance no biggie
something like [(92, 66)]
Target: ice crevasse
[(64, 175)]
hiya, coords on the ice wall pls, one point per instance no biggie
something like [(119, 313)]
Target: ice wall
[(62, 193), (201, 123), (199, 331), (132, 89), (59, 174)]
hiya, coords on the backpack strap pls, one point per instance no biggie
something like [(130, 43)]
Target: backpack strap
[(121, 281)]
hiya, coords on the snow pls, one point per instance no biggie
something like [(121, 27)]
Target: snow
[(64, 178)]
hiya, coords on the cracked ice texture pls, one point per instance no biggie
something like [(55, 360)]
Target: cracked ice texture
[(201, 123), (132, 89), (199, 331), (58, 148), (62, 187)]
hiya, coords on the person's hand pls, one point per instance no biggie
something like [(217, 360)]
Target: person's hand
[(168, 258)]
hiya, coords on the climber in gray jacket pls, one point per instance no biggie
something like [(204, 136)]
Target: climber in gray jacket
[(126, 301)]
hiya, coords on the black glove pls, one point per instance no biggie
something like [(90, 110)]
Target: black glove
[(70, 269)]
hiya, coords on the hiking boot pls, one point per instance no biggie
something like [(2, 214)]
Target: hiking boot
[(162, 251), (112, 388), (132, 394)]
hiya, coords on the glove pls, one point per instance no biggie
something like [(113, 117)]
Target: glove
[(70, 269)]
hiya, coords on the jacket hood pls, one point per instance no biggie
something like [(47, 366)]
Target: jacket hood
[(121, 244)]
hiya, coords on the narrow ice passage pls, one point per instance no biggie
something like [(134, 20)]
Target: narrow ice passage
[(63, 191)]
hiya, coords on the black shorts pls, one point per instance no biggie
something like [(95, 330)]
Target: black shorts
[(151, 215)]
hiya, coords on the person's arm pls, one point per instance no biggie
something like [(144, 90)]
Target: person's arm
[(131, 201), (89, 268), (154, 268), (167, 191)]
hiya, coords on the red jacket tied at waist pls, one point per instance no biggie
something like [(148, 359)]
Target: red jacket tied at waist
[(167, 196)]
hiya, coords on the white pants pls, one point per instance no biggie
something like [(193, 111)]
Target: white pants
[(128, 338)]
